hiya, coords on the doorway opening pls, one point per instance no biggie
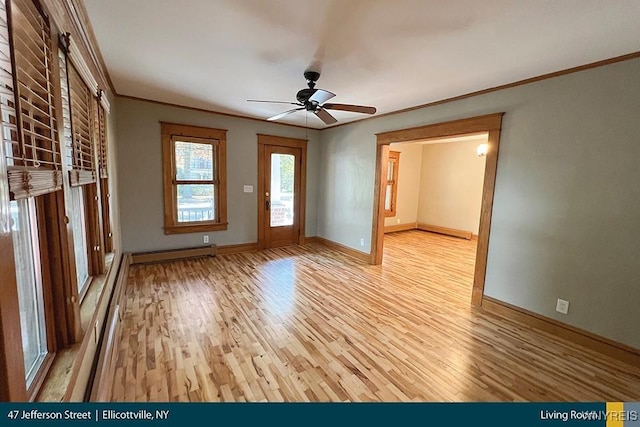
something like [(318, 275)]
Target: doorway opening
[(281, 191), (488, 125)]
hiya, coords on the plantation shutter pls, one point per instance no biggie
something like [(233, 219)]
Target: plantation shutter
[(103, 111), (30, 130), (7, 95), (102, 143), (82, 124)]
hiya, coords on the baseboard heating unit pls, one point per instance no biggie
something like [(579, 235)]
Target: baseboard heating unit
[(173, 254)]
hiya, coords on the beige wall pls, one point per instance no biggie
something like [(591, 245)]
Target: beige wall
[(451, 185), (567, 200), (408, 184), (139, 152)]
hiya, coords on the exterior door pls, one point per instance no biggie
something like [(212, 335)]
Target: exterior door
[(281, 191)]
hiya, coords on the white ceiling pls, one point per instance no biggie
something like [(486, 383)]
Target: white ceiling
[(391, 54)]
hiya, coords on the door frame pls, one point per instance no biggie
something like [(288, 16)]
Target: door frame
[(491, 124), (280, 141)]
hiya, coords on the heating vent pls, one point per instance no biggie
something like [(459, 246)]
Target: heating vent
[(173, 254)]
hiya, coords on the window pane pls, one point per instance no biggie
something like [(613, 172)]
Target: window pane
[(196, 203), (282, 197), (77, 212), (387, 198), (390, 171), (30, 299), (194, 161)]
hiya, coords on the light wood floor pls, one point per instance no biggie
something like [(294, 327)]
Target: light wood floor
[(310, 324)]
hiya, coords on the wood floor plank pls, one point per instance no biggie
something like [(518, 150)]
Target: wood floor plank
[(307, 323)]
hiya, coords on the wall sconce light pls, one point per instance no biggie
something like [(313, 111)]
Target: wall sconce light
[(482, 150)]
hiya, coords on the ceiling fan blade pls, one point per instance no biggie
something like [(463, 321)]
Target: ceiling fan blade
[(349, 107), (321, 96), (325, 116), (281, 115), (274, 102)]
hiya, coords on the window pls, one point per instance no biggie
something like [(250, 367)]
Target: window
[(24, 228), (73, 143), (34, 170), (44, 204), (80, 247), (282, 189), (195, 196), (83, 156), (392, 184)]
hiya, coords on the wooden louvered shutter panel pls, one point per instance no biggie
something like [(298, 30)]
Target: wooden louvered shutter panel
[(7, 95), (104, 179), (102, 141), (67, 135), (34, 160), (82, 116)]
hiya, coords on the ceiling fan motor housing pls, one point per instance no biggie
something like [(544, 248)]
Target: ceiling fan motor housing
[(304, 95)]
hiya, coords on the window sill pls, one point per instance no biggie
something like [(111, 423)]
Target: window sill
[(178, 229), (62, 373)]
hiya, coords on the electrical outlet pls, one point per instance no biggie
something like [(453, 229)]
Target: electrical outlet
[(562, 306), (361, 242), (398, 221), (205, 239)]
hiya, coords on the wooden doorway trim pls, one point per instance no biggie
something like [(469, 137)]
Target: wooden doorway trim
[(491, 124), (264, 140)]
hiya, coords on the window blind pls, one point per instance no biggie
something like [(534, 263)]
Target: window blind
[(82, 117), (7, 94), (28, 113), (67, 135), (30, 130), (102, 143)]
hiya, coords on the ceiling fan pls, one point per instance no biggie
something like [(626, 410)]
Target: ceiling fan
[(315, 101)]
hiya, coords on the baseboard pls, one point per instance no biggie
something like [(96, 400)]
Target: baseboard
[(444, 230), (474, 237), (570, 333), (361, 256), (400, 227), (312, 239), (173, 254), (237, 249)]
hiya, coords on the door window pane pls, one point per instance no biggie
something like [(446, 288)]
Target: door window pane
[(80, 246), (196, 202), (390, 171), (391, 187), (387, 198), (282, 189), (29, 279), (194, 161)]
